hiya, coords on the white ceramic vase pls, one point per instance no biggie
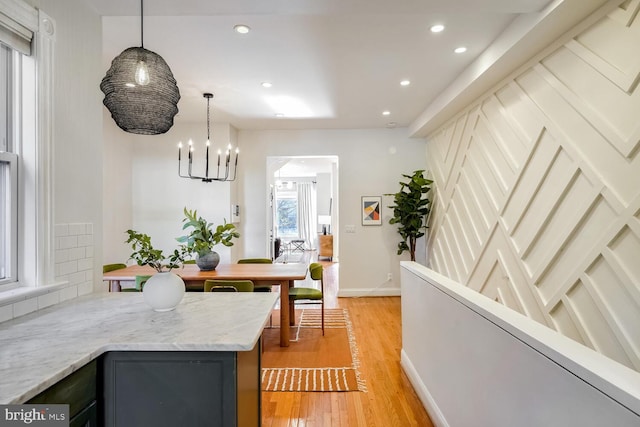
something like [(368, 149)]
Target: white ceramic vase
[(163, 291)]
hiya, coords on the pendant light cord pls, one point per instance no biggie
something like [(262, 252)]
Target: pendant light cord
[(142, 23), (208, 120)]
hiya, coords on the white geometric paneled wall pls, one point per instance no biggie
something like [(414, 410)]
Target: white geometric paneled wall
[(538, 190)]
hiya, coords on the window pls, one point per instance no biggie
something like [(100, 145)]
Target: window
[(287, 212), (8, 171), (26, 142)]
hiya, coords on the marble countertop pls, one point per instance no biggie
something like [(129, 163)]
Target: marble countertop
[(39, 349)]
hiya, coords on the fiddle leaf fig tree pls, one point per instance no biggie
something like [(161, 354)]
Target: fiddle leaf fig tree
[(410, 210)]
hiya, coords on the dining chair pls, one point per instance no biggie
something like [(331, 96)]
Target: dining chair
[(301, 295), (189, 261), (111, 267), (258, 287), (140, 281), (213, 285)]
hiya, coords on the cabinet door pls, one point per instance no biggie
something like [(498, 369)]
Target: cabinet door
[(78, 390), (88, 417), (170, 389)]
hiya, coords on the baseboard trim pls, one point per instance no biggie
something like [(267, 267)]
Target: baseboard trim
[(369, 292), (437, 418)]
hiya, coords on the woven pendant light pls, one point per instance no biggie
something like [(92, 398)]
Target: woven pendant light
[(140, 91)]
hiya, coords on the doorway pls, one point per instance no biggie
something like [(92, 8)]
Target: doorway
[(302, 205)]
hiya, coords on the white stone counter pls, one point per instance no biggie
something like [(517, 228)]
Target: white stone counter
[(39, 349)]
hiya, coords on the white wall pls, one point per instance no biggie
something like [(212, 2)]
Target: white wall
[(77, 150), (147, 193), (538, 201), (474, 362), (116, 190), (371, 163)]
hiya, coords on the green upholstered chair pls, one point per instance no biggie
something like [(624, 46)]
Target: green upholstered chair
[(258, 287), (111, 267), (140, 281), (190, 261), (308, 295), (219, 285)]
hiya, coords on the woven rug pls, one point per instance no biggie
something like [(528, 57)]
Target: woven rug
[(312, 362)]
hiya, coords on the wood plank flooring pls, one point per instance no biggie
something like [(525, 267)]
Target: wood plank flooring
[(390, 399)]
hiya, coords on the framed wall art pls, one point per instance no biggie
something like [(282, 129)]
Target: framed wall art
[(371, 210)]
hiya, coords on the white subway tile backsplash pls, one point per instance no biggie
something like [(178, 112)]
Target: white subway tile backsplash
[(76, 253), (6, 312), (85, 264), (48, 299), (68, 293), (77, 229), (77, 277), (25, 307), (74, 264), (85, 240), (67, 242), (62, 255), (61, 230), (85, 288)]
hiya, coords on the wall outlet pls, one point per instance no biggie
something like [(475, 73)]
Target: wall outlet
[(389, 277), (349, 228)]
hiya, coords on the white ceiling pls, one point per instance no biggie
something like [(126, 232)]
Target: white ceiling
[(332, 63)]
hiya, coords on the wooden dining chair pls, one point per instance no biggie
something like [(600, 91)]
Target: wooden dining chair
[(260, 286), (213, 285), (301, 295)]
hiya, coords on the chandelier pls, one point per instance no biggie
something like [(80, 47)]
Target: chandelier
[(226, 168), (140, 90)]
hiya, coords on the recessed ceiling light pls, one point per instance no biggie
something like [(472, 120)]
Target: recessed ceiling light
[(242, 29), (437, 28), (266, 84), (405, 83), (460, 49), (386, 113), (279, 115)]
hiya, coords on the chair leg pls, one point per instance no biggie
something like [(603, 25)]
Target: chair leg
[(292, 313), (322, 317)]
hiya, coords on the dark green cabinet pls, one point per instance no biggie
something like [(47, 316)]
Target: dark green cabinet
[(163, 388), (80, 391)]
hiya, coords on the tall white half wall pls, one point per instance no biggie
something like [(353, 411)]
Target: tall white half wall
[(474, 362)]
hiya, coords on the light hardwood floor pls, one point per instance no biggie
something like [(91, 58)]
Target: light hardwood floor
[(390, 399)]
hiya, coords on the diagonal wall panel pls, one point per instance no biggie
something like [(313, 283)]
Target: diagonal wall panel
[(538, 189)]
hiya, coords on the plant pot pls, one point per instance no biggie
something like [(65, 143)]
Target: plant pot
[(208, 261), (163, 291)]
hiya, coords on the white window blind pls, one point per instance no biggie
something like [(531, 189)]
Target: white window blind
[(15, 35)]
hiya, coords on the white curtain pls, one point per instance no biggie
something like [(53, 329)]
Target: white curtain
[(307, 214)]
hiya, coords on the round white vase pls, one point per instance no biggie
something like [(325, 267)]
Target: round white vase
[(163, 291)]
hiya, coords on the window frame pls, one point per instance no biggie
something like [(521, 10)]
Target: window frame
[(33, 145), (10, 244)]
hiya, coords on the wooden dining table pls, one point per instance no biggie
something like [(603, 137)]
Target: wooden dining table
[(283, 275)]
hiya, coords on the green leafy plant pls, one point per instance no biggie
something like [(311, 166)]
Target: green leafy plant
[(410, 210), (145, 254), (203, 236)]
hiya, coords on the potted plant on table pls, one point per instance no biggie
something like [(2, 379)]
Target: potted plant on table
[(203, 236), (164, 290), (410, 211)]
